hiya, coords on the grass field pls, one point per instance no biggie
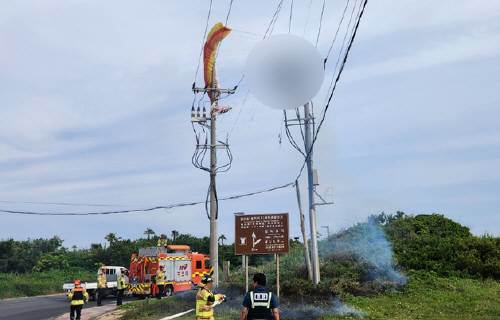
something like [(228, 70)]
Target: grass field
[(33, 284), (431, 297), (426, 297)]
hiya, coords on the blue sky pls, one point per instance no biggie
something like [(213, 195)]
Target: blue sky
[(96, 107)]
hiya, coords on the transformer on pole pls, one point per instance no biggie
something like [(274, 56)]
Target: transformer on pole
[(212, 90), (201, 118)]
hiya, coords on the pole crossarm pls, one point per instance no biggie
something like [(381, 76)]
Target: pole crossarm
[(208, 146), (324, 202), (217, 90), (208, 120)]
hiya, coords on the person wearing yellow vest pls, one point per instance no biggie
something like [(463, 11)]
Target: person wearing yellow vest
[(77, 296), (206, 299), (122, 282), (162, 242), (101, 285), (160, 282)]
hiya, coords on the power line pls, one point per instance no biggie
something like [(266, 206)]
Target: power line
[(169, 206), (270, 27), (290, 184), (77, 204), (220, 43), (344, 43), (229, 12), (239, 113), (307, 18), (320, 22), (351, 41), (291, 17), (185, 204), (203, 40), (337, 32), (289, 135)]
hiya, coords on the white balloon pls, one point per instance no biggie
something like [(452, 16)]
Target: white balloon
[(284, 71)]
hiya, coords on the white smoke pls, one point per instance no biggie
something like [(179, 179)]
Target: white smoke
[(368, 242)]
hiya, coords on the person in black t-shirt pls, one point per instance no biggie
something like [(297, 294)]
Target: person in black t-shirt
[(260, 303)]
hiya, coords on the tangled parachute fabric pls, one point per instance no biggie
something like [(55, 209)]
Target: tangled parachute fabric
[(214, 38)]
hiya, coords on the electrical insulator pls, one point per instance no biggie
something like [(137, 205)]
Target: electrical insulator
[(198, 112), (192, 112), (204, 113)]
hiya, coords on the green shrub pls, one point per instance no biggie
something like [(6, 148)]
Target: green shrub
[(436, 243)]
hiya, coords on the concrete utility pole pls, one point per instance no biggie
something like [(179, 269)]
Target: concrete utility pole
[(214, 239), (308, 139)]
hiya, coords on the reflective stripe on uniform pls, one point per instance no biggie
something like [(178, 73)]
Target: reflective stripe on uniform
[(202, 301), (101, 281), (260, 303), (199, 274), (160, 277), (78, 296)]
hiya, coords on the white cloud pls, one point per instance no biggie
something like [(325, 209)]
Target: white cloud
[(463, 48), (96, 97)]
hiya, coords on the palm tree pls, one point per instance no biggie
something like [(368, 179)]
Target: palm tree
[(222, 238), (175, 234), (111, 238), (149, 232)]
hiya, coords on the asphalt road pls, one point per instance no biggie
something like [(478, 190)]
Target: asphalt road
[(38, 308)]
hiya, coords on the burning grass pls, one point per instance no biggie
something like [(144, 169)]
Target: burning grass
[(427, 296), (360, 279)]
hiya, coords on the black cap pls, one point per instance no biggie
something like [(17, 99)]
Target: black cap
[(207, 279)]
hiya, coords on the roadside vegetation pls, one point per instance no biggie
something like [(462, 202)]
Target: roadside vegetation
[(38, 283), (427, 296), (41, 266), (390, 267)]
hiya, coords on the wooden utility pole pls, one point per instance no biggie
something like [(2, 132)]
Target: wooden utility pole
[(226, 268), (307, 257)]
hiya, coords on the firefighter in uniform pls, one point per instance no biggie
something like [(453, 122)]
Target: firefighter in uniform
[(77, 296), (122, 282), (162, 242), (160, 282), (101, 285), (205, 299), (260, 303)]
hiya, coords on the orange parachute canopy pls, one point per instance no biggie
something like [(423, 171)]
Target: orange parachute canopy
[(214, 38)]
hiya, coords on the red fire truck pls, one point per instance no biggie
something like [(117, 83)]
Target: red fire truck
[(183, 269)]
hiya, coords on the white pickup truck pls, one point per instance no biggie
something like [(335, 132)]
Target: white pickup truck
[(112, 273)]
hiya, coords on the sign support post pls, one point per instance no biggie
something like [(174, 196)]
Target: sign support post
[(246, 272), (262, 234), (277, 274)]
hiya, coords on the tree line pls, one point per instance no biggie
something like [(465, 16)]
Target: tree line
[(429, 242), (38, 255)]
